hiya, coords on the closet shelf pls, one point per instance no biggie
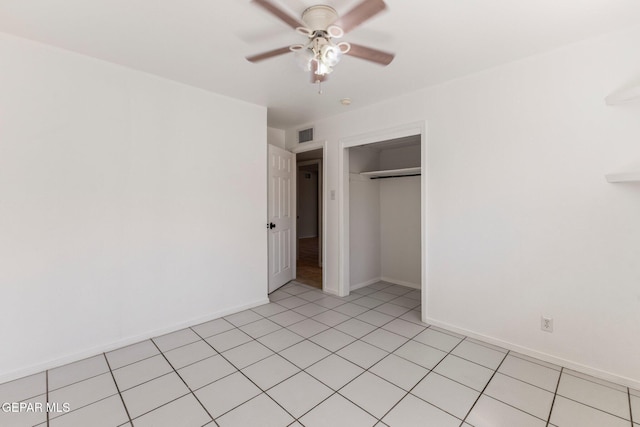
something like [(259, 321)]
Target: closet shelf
[(392, 172), (623, 177)]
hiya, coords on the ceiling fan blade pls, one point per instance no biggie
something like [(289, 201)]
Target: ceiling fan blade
[(269, 54), (279, 13), (370, 54), (364, 11)]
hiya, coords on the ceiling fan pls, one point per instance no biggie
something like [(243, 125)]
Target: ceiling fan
[(322, 25)]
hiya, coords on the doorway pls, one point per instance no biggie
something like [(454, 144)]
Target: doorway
[(417, 130), (309, 217)]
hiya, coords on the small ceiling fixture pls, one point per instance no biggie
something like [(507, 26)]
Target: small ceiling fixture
[(321, 25), (345, 101)]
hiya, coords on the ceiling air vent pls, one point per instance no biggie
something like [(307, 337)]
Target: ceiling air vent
[(305, 135)]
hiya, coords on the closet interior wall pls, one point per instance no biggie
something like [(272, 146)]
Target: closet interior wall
[(384, 215), (364, 218)]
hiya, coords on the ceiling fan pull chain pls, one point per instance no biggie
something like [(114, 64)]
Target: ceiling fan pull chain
[(319, 87)]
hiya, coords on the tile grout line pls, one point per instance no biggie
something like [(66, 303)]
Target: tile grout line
[(329, 328), (389, 353), (359, 375), (521, 381), (72, 384), (533, 360), (239, 328), (464, 420), (118, 388), (318, 361), (185, 383), (555, 394), (513, 405), (303, 338), (471, 361), (476, 363), (80, 381), (374, 374), (594, 408), (591, 381), (422, 379), (245, 375)]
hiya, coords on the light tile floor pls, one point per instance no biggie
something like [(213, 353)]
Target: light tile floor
[(310, 359)]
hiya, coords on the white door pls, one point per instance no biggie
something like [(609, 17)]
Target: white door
[(281, 261)]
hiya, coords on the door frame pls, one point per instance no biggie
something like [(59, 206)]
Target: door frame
[(302, 148), (409, 129)]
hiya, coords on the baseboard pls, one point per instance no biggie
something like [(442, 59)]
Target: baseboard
[(363, 284), (94, 351), (332, 292), (570, 364), (401, 282)]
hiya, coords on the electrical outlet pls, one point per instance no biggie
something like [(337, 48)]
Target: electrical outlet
[(546, 324)]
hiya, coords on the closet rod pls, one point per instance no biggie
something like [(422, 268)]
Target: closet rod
[(394, 176)]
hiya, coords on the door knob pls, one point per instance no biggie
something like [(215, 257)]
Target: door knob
[(272, 225)]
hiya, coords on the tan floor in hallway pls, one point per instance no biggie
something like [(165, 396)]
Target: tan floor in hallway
[(308, 270)]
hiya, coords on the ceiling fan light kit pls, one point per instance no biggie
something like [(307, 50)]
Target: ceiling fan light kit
[(321, 25)]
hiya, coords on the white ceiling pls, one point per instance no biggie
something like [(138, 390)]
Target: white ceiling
[(203, 43)]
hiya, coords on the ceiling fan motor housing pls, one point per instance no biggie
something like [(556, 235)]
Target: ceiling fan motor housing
[(319, 18)]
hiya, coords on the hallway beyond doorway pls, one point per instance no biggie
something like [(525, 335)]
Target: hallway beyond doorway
[(308, 270)]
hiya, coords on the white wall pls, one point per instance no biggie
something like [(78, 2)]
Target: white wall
[(276, 137), (521, 220), (400, 210), (402, 157), (400, 260), (364, 232), (364, 218), (119, 214)]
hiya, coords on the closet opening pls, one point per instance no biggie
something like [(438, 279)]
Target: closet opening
[(383, 212)]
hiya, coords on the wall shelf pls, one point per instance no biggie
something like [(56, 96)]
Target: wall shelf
[(392, 173), (623, 177)]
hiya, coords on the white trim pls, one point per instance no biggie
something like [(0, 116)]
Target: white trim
[(114, 345), (344, 274), (396, 132), (409, 129), (310, 146), (424, 199), (363, 284), (608, 376), (623, 177), (331, 292), (401, 283)]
